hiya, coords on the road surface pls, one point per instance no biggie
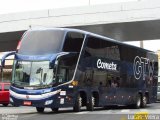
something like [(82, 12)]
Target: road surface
[(152, 111)]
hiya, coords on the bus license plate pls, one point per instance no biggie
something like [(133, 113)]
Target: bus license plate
[(28, 103)]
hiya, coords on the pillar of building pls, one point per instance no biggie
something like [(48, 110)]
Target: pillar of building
[(158, 65)]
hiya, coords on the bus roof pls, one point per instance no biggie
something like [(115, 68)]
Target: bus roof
[(88, 33)]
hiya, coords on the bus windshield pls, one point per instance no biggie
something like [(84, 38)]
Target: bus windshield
[(32, 74), (41, 42)]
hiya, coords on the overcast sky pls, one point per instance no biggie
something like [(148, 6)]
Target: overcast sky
[(11, 6)]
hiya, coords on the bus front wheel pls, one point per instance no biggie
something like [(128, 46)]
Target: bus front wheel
[(78, 104), (144, 101), (40, 109), (54, 109)]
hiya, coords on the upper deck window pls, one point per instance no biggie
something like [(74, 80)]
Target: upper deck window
[(73, 42), (40, 42), (102, 48)]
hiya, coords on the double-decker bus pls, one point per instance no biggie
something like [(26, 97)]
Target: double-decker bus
[(62, 67)]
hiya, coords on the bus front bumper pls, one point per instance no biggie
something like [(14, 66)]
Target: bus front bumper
[(43, 100), (35, 103)]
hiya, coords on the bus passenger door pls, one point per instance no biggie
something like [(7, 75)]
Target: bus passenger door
[(64, 73)]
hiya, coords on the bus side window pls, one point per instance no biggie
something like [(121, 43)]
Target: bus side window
[(62, 75), (115, 82)]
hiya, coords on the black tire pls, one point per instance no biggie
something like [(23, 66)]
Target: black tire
[(40, 109), (55, 109), (5, 104), (91, 104), (78, 104), (144, 101), (138, 102)]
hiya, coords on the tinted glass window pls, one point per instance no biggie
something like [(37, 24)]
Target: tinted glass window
[(66, 68), (73, 42), (39, 42), (128, 53), (101, 48), (105, 50)]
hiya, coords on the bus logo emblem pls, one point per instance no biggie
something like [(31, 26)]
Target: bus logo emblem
[(141, 66)]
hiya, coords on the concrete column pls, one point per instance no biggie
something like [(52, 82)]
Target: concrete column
[(158, 66), (141, 44)]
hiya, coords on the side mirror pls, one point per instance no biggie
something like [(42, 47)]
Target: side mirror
[(56, 62), (55, 65)]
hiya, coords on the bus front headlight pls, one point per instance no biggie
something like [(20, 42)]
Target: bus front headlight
[(48, 102)]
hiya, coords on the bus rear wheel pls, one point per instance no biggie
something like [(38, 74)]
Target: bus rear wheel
[(144, 101), (78, 104), (40, 109), (138, 101)]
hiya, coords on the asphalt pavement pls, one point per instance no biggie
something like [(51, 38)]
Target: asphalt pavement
[(151, 112)]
